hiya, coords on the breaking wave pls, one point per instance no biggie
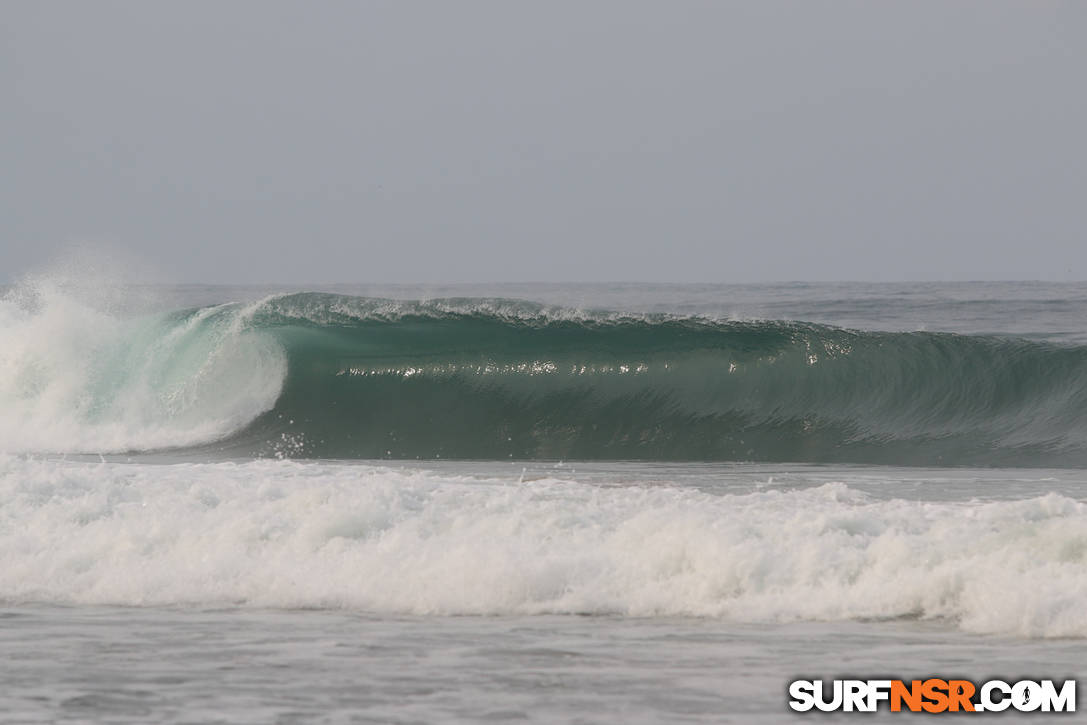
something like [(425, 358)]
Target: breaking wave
[(331, 376)]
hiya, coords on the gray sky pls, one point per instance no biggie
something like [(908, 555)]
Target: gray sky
[(561, 141)]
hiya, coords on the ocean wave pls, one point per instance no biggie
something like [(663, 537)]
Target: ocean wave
[(359, 537), (333, 376)]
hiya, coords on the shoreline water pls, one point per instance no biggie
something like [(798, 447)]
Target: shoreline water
[(193, 665)]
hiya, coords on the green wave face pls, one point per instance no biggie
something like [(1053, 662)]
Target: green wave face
[(494, 379)]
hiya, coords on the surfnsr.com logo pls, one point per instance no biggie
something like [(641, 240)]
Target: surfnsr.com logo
[(932, 695)]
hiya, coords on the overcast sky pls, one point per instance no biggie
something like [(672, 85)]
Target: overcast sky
[(557, 141)]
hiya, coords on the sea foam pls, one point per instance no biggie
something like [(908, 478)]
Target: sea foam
[(365, 538), (76, 376)]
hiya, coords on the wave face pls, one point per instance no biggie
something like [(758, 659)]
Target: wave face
[(322, 375), (495, 379), (291, 534)]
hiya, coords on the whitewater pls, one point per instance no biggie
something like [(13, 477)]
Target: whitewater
[(402, 503)]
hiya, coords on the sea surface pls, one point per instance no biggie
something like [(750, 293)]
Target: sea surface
[(602, 503)]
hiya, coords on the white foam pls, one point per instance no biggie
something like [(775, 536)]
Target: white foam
[(324, 309), (80, 377), (289, 534)]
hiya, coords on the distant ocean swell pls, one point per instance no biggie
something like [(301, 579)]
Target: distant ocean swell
[(319, 375)]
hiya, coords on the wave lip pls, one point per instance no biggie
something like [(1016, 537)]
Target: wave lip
[(282, 534)]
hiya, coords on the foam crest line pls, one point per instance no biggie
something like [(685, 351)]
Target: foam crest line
[(286, 534)]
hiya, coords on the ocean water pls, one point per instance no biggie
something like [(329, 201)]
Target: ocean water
[(542, 503)]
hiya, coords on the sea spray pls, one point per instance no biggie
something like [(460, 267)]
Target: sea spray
[(75, 377)]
